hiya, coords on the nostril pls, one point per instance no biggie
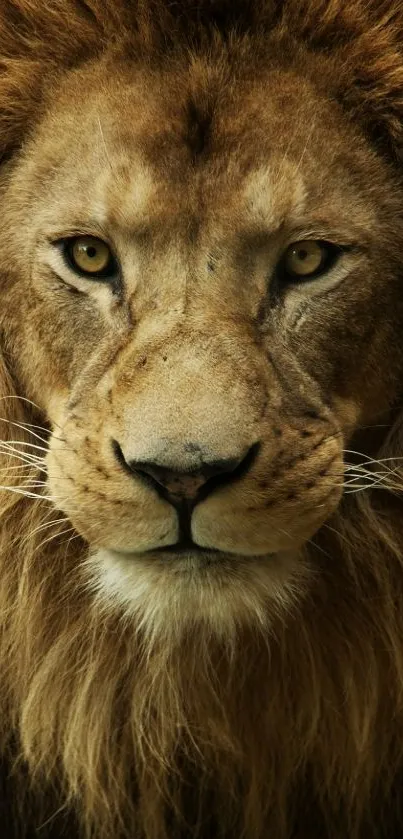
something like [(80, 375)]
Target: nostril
[(177, 483), (186, 480), (120, 456)]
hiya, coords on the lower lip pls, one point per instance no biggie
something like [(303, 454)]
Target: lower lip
[(172, 552), (182, 550), (202, 556)]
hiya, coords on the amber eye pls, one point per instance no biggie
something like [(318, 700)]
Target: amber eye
[(309, 258), (90, 256)]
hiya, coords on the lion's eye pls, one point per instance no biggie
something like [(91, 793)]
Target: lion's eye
[(90, 256), (307, 259)]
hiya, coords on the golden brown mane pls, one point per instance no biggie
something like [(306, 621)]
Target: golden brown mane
[(79, 684), (37, 44)]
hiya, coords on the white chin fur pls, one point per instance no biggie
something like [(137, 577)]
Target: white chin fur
[(166, 595)]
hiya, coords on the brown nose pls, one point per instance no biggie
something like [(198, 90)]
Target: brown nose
[(176, 483), (182, 484)]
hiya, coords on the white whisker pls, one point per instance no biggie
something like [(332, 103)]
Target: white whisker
[(47, 525), (29, 402), (23, 428), (53, 537), (28, 444), (21, 491), (27, 460)]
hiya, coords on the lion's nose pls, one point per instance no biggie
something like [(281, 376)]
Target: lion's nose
[(181, 484), (176, 483)]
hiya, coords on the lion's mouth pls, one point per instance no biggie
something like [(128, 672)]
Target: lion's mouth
[(186, 546), (186, 551)]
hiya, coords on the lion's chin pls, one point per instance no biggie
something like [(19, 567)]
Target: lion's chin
[(168, 592)]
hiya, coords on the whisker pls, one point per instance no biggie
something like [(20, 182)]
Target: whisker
[(10, 444), (32, 465), (20, 491), (54, 536), (14, 467), (47, 525), (33, 485), (28, 401), (369, 459), (27, 474), (28, 444), (26, 426), (381, 479), (23, 428), (361, 488), (27, 460)]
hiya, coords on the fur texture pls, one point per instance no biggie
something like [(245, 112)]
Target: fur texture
[(287, 725)]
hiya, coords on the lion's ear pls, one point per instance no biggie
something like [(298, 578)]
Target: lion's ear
[(371, 79), (38, 42), (20, 86), (364, 41)]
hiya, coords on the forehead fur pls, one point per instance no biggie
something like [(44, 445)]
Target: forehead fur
[(37, 44), (180, 145)]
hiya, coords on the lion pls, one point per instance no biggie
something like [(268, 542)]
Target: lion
[(201, 367)]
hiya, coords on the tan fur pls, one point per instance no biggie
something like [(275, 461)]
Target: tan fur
[(259, 694)]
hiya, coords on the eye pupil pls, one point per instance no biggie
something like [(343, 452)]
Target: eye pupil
[(302, 254), (91, 251)]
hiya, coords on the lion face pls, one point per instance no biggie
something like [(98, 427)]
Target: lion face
[(207, 272)]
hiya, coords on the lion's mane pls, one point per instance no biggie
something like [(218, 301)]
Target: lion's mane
[(120, 730)]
